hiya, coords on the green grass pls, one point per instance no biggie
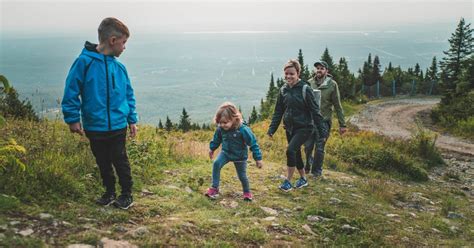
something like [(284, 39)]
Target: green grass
[(371, 175)]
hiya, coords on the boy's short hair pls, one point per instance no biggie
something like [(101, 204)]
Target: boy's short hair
[(111, 26)]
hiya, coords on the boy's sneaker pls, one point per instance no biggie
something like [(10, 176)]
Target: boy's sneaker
[(302, 182), (212, 193), (248, 196), (106, 199), (124, 202), (286, 186)]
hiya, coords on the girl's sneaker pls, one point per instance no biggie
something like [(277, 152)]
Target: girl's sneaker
[(286, 186), (248, 196), (212, 193)]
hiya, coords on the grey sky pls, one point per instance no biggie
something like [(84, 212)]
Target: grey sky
[(200, 16)]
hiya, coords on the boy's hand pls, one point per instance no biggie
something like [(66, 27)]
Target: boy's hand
[(133, 130), (211, 154), (259, 164), (76, 128)]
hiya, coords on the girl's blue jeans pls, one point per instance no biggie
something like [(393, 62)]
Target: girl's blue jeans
[(240, 166)]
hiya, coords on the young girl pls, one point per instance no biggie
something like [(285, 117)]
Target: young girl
[(300, 113), (235, 136)]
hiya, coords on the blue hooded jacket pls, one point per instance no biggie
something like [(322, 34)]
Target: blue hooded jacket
[(235, 142), (98, 89)]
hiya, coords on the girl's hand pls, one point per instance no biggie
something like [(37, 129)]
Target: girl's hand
[(259, 164), (211, 154)]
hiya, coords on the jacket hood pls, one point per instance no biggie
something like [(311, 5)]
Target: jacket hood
[(90, 49)]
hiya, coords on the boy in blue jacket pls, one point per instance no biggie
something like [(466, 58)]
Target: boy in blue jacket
[(98, 89)]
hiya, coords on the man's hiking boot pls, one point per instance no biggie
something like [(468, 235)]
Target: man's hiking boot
[(106, 199), (124, 202)]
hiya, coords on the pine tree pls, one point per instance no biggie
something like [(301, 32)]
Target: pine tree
[(417, 70), (347, 79), (326, 57), (168, 124), (390, 68), (272, 91), (376, 69), (461, 48), (184, 122), (160, 125), (253, 116), (432, 72), (305, 74)]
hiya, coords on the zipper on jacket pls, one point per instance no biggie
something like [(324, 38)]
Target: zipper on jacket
[(108, 96), (113, 81)]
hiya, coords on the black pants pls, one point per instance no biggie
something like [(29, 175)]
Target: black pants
[(295, 139), (109, 149)]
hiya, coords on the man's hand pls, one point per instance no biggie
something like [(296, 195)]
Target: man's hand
[(133, 130), (211, 154), (76, 128), (259, 164), (342, 130)]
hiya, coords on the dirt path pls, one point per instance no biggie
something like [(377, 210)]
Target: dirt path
[(397, 118)]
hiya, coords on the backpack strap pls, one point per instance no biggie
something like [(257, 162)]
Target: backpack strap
[(305, 86)]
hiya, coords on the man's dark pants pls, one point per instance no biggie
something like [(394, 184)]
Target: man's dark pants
[(314, 164)]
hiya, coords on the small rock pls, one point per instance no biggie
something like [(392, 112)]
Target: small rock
[(405, 239), (393, 215), (26, 232), (120, 229), (172, 187), (453, 215), (334, 200), (330, 189), (146, 192), (275, 224), (270, 218), (454, 229), (2, 236), (227, 204), (86, 219), (140, 231), (80, 246), (105, 242), (45, 216), (269, 211), (215, 220), (308, 229), (88, 226), (299, 208), (326, 239), (188, 189), (349, 228), (3, 227), (14, 223), (435, 230), (357, 196), (313, 218), (413, 215)]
